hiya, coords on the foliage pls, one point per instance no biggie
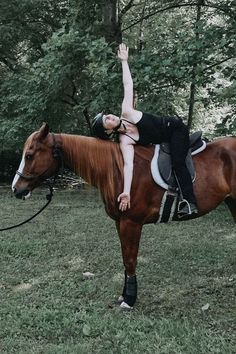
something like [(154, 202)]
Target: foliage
[(173, 59), (58, 62)]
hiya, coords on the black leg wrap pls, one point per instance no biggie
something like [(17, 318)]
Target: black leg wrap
[(130, 295)]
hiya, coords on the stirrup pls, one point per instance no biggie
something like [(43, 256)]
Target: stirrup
[(182, 204), (184, 208)]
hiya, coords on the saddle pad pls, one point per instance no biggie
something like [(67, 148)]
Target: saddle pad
[(166, 171), (155, 170)]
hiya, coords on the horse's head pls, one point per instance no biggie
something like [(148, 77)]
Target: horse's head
[(39, 161)]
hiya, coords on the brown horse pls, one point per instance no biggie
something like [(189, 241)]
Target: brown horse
[(100, 164)]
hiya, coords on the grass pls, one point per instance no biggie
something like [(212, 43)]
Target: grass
[(186, 278)]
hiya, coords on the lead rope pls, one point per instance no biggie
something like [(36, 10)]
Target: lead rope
[(49, 199)]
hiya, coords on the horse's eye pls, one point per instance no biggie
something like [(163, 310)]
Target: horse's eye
[(28, 157)]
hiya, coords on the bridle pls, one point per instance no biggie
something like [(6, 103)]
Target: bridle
[(57, 155)]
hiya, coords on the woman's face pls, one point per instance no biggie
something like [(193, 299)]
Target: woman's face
[(110, 121)]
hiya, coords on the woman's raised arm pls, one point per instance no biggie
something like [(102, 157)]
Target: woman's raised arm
[(123, 55)]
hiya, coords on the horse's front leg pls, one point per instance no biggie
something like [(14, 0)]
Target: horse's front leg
[(231, 203), (129, 233)]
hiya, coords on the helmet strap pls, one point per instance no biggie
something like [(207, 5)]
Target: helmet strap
[(118, 126)]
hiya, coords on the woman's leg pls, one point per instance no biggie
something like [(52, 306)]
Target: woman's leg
[(179, 146)]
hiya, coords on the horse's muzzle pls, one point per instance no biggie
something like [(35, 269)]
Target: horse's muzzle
[(22, 193)]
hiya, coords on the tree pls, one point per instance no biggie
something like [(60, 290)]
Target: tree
[(57, 61), (175, 60)]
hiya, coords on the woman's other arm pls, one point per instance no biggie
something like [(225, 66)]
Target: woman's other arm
[(127, 150)]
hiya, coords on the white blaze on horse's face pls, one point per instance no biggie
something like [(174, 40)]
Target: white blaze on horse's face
[(20, 169), (17, 176), (32, 170)]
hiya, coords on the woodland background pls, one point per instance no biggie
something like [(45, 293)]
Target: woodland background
[(58, 64)]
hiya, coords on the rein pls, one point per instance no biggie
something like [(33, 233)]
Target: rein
[(57, 154)]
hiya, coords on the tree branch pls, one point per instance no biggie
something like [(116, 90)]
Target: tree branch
[(8, 64), (218, 63), (159, 88), (140, 43), (168, 8), (87, 118), (72, 95), (126, 8)]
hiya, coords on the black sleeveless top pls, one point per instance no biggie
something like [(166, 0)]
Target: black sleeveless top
[(155, 129)]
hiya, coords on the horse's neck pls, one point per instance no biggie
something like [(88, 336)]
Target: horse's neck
[(99, 163), (75, 152)]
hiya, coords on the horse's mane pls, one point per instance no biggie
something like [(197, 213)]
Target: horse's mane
[(98, 162)]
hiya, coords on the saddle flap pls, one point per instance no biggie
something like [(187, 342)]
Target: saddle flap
[(165, 167)]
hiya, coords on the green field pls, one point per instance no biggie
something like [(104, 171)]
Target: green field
[(186, 282)]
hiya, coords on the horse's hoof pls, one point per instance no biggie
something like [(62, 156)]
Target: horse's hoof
[(125, 306), (120, 299)]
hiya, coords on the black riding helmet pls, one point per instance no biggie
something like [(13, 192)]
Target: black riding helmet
[(98, 128)]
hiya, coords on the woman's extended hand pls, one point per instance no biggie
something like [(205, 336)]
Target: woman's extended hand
[(124, 200), (123, 52)]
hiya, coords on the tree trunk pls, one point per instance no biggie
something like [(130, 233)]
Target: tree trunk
[(111, 23), (193, 86), (140, 37)]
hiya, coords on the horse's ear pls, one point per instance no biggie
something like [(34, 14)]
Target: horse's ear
[(43, 131)]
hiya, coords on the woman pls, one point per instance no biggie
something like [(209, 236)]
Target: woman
[(136, 127)]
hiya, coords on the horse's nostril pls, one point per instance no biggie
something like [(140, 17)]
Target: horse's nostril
[(18, 195), (21, 193)]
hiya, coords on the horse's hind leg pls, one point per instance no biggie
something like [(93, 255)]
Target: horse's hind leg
[(231, 203), (129, 233)]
